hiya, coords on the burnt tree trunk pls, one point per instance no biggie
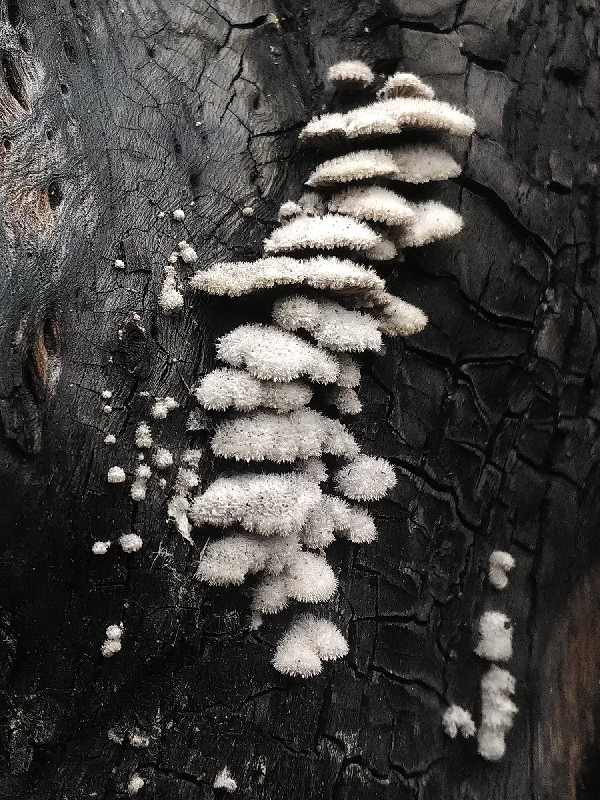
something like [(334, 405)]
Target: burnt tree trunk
[(113, 111)]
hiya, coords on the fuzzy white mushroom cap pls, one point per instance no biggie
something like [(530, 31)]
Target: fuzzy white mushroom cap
[(265, 504), (495, 636), (455, 719), (350, 74), (269, 353), (405, 84), (329, 232), (131, 542), (422, 163), (332, 325), (231, 388), (321, 272), (432, 221), (116, 475), (265, 435), (357, 166), (365, 478), (308, 643), (372, 203)]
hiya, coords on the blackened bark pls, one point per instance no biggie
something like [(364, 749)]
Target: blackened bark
[(113, 111)]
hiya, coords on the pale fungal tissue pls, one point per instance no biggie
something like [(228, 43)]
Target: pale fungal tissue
[(224, 780), (170, 298), (495, 636), (178, 215), (136, 782), (100, 548), (365, 478), (162, 406), (130, 542), (497, 712), (143, 436), (110, 439), (112, 643), (456, 719), (308, 643), (405, 84), (351, 74), (119, 264), (116, 475), (501, 563), (162, 458), (306, 482)]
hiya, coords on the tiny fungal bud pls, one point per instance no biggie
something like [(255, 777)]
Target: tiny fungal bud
[(130, 542), (100, 548), (107, 409), (106, 394), (116, 475), (248, 211), (160, 214), (114, 632), (119, 264), (162, 458), (135, 784), (224, 780), (110, 439), (179, 214), (110, 647)]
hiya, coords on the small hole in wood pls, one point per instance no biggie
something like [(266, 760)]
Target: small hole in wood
[(25, 43), (7, 144), (70, 52), (194, 180), (55, 195), (13, 12), (49, 135), (64, 88)]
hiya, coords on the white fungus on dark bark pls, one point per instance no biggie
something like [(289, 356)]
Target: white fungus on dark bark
[(456, 719), (495, 636), (497, 712), (405, 84), (350, 74), (501, 563), (143, 436), (321, 272), (225, 781), (100, 548), (365, 478), (116, 475), (130, 542), (308, 643), (136, 782)]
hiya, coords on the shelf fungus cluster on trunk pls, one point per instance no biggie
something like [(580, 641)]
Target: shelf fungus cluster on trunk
[(307, 475), (295, 479)]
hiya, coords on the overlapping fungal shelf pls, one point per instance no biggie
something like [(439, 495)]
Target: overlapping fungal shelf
[(304, 480)]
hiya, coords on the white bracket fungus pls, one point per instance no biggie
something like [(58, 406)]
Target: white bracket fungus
[(405, 84), (350, 74)]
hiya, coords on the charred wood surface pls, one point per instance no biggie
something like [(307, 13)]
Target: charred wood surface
[(113, 111)]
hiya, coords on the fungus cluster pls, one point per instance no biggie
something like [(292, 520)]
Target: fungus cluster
[(302, 475)]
